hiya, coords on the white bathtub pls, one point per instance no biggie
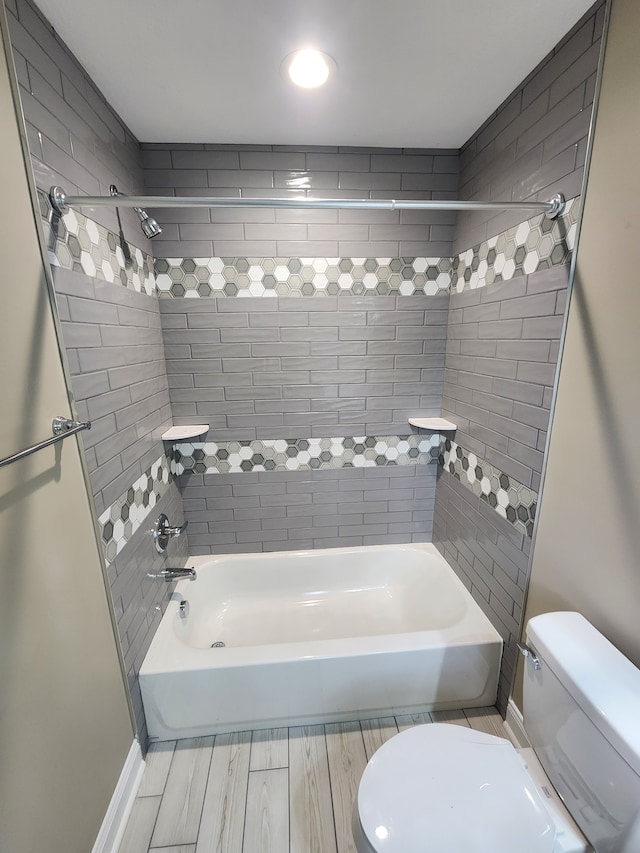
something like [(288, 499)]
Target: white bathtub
[(317, 636)]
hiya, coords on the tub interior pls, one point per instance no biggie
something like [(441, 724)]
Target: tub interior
[(273, 599)]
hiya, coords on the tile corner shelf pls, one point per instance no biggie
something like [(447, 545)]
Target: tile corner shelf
[(435, 424), (182, 433)]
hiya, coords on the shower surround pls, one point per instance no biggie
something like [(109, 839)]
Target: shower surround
[(503, 339), (369, 317), (353, 359)]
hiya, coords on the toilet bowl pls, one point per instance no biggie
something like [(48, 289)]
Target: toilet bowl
[(444, 788)]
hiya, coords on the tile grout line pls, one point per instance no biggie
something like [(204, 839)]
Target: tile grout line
[(246, 801), (289, 783), (164, 788), (157, 816), (213, 746), (333, 811), (288, 791)]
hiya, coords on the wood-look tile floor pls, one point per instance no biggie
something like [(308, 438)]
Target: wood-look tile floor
[(271, 791)]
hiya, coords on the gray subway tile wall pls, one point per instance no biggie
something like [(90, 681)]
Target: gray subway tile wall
[(138, 600), (289, 510), (76, 139), (318, 370), (496, 377), (300, 172), (490, 557), (118, 378), (533, 145), (303, 367)]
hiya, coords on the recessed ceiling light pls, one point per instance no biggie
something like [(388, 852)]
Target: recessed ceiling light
[(308, 68)]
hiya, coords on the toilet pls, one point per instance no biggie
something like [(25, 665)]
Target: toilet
[(443, 788)]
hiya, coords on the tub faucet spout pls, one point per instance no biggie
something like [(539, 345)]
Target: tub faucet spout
[(169, 575)]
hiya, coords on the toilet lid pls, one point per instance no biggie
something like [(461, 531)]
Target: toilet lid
[(443, 788)]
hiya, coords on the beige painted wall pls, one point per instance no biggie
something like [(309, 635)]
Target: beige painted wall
[(65, 728), (587, 551)]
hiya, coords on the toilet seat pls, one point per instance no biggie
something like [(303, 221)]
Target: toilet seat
[(447, 789)]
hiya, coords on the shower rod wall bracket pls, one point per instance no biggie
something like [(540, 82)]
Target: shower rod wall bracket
[(557, 204), (61, 202), (58, 199)]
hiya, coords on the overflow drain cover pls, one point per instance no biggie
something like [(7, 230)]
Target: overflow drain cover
[(218, 645)]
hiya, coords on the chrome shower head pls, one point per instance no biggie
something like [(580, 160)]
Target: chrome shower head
[(148, 224), (150, 227)]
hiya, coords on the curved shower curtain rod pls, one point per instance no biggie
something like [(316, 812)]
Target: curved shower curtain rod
[(61, 202)]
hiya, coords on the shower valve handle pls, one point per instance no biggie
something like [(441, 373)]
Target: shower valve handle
[(175, 531), (163, 531)]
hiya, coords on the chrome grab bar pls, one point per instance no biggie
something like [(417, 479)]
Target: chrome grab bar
[(61, 427)]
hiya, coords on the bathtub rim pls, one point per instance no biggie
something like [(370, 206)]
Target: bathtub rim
[(168, 654)]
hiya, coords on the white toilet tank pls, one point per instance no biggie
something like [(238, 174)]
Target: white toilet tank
[(582, 716)]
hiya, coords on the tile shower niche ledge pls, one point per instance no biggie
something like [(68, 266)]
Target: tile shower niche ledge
[(182, 433), (435, 424)]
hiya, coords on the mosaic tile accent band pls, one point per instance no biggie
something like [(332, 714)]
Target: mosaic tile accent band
[(193, 277), (303, 454), (510, 499), (80, 244), (120, 521), (77, 243), (536, 244)]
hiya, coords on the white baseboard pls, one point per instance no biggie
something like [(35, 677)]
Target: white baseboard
[(115, 820), (514, 725)]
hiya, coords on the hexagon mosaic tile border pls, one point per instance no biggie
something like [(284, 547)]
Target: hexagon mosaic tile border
[(511, 500), (304, 454), (536, 244), (120, 521), (77, 243), (194, 277)]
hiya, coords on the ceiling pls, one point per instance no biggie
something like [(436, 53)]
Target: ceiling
[(411, 73)]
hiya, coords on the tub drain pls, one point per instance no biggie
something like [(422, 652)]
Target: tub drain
[(218, 645)]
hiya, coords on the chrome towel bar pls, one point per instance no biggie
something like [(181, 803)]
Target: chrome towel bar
[(61, 427)]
